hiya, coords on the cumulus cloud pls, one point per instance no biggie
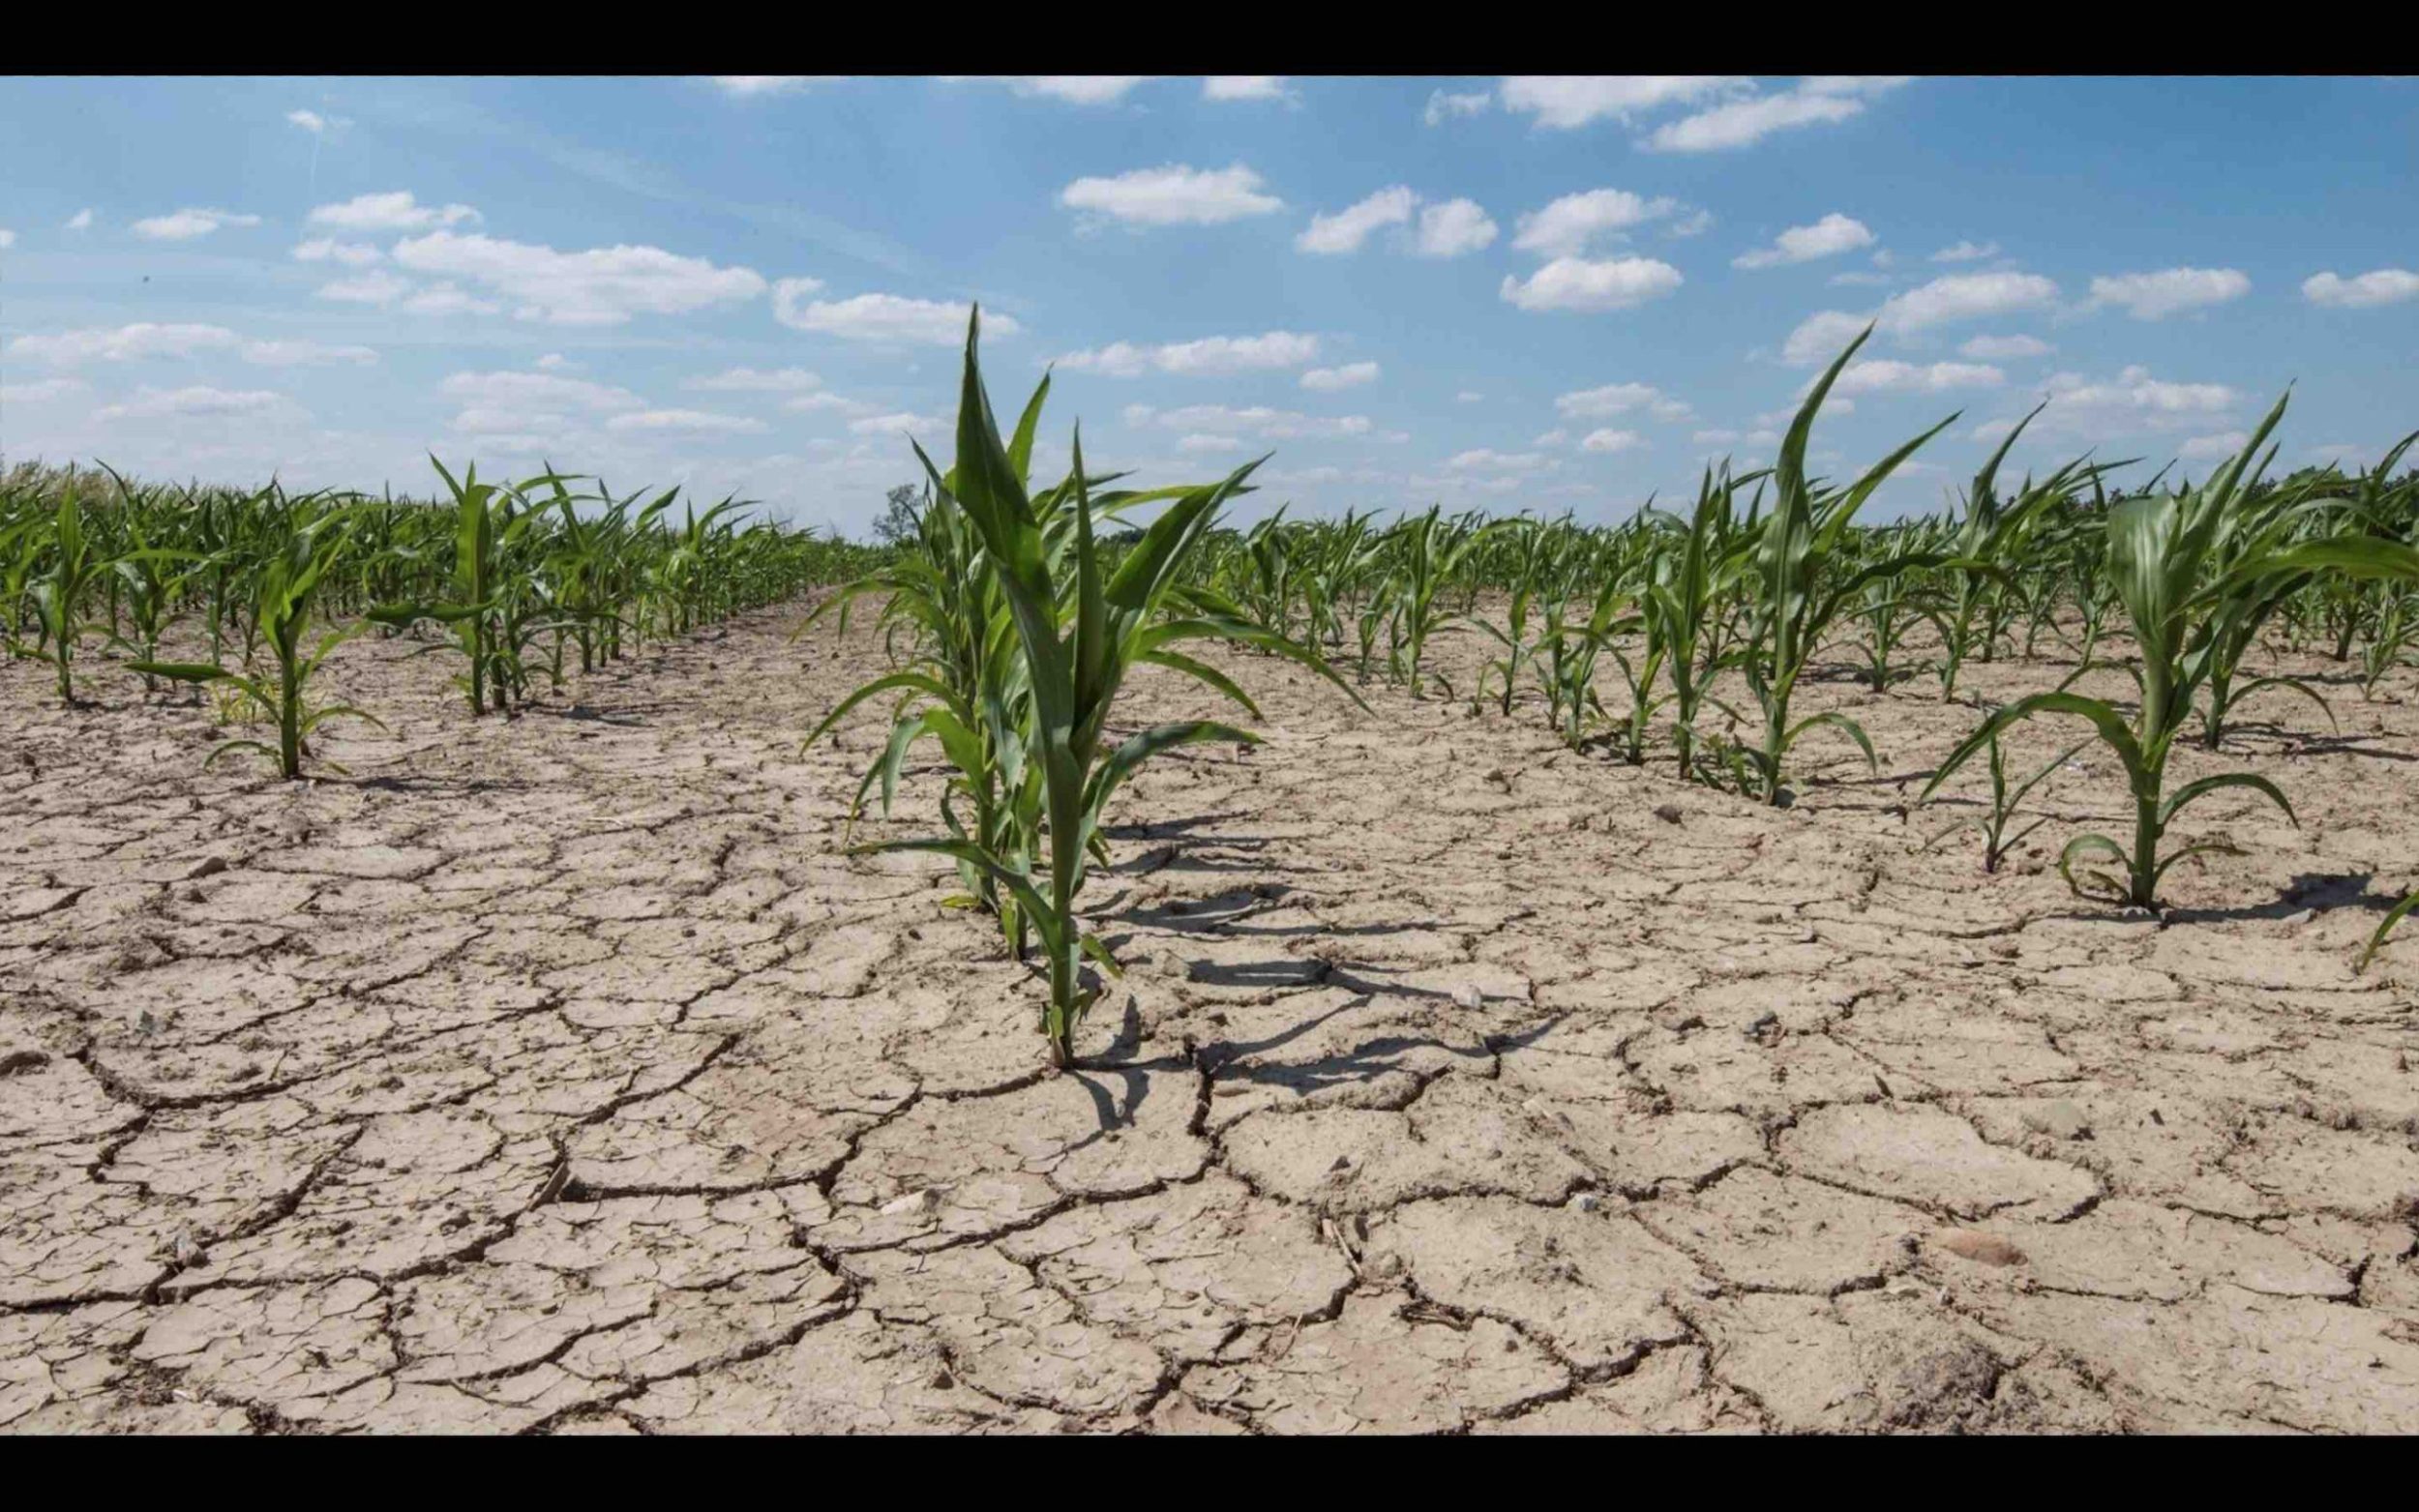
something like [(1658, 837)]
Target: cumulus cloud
[(1609, 441), (685, 422), (1829, 237), (604, 286), (393, 211), (1207, 357), (1326, 380), (184, 225), (1882, 375), (2379, 287), (1944, 301), (748, 381), (1445, 105), (1565, 102), (1567, 226), (1746, 121), (892, 318), (42, 391), (756, 86), (2003, 348), (1347, 228), (1259, 420), (123, 343), (198, 402), (326, 249), (1173, 195), (305, 354), (2155, 296), (1619, 399), (1966, 252), (1245, 86), (1452, 229), (1576, 284), (80, 221)]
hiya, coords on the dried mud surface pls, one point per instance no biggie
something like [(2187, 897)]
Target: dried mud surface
[(559, 1075)]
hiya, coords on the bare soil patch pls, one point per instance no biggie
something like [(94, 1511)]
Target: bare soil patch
[(558, 1074)]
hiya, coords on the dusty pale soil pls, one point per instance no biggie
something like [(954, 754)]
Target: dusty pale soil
[(559, 1075)]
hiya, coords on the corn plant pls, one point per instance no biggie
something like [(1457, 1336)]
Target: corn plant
[(1994, 821), (2160, 549), (284, 590), (2385, 927), (1797, 592), (1078, 631)]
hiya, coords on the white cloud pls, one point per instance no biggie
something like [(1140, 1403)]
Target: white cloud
[(2003, 348), (1445, 105), (42, 390), (1881, 375), (449, 299), (1558, 436), (2125, 406), (748, 381), (1487, 460), (2155, 296), (1467, 396), (1347, 228), (314, 123), (1209, 443), (123, 343), (1593, 287), (1564, 102), (1208, 357), (685, 422), (1326, 380), (2225, 443), (326, 249), (2379, 287), (1258, 420), (1860, 279), (1951, 298), (537, 391), (1966, 252), (393, 211), (1080, 89), (1832, 235), (1619, 399), (196, 403), (756, 86), (1565, 228), (379, 287), (813, 403), (557, 362), (1744, 122), (7, 238), (1820, 337), (1609, 441), (880, 318), (1453, 227), (1173, 195), (1696, 223), (1245, 86), (184, 225), (80, 221), (304, 354), (899, 423), (604, 286)]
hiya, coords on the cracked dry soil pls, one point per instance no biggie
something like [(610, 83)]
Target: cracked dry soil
[(559, 1075)]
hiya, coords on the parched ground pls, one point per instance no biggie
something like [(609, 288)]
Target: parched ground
[(559, 1073)]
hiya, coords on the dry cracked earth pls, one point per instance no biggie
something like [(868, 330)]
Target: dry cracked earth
[(560, 1075)]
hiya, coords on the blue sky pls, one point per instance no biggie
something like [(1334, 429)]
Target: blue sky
[(1516, 293)]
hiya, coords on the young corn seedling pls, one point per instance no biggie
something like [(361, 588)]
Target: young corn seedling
[(1080, 631), (2160, 549), (2385, 927), (1994, 822), (283, 594), (1799, 592)]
